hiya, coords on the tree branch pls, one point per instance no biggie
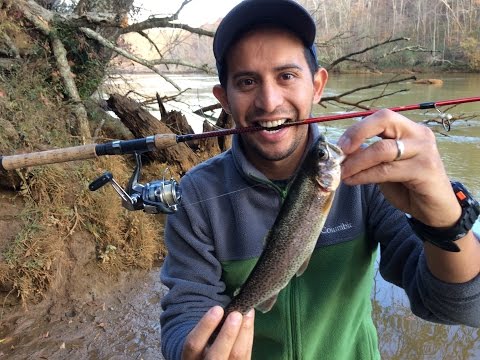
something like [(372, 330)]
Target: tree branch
[(205, 68), (145, 35), (175, 16), (348, 56), (329, 98), (153, 23), (93, 35), (79, 110), (40, 17), (338, 98)]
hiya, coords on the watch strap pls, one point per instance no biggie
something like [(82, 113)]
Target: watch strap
[(445, 238)]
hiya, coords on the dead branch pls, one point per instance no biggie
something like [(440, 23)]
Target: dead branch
[(38, 16), (151, 100), (141, 123), (204, 68), (79, 110), (207, 108), (153, 23), (348, 56), (334, 98), (338, 98), (161, 107), (145, 35), (185, 2), (93, 35), (415, 48), (382, 95)]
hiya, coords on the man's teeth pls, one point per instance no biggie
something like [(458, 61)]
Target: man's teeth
[(271, 124)]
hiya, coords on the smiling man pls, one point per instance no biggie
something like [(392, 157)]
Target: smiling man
[(268, 70), (269, 82)]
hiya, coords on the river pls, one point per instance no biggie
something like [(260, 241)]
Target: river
[(401, 335)]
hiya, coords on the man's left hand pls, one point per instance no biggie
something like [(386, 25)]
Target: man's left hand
[(415, 183)]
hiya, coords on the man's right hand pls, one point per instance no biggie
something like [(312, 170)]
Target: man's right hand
[(234, 341)]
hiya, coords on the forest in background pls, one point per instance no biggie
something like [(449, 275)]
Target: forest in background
[(376, 35), (440, 32)]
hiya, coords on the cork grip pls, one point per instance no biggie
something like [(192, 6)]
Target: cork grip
[(162, 141), (48, 157)]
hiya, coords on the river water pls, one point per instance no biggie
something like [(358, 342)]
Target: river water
[(401, 335)]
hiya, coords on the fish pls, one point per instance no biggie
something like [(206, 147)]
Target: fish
[(290, 242)]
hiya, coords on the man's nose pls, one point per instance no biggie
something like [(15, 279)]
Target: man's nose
[(269, 97)]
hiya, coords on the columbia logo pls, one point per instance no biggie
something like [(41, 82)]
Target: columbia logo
[(335, 229)]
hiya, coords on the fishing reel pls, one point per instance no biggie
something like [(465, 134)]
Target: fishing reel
[(445, 119), (159, 196)]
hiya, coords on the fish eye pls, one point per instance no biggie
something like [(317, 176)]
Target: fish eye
[(323, 154)]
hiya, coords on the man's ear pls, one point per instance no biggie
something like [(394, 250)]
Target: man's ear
[(319, 81), (221, 94)]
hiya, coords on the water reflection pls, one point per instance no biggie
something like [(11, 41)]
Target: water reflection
[(405, 336)]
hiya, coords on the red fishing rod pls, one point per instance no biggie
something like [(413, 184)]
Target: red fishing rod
[(350, 115), (163, 141)]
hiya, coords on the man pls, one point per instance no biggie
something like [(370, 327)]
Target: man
[(268, 71)]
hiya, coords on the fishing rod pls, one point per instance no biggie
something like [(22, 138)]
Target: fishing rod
[(164, 196), (163, 141)]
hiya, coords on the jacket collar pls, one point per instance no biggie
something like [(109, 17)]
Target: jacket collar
[(246, 168)]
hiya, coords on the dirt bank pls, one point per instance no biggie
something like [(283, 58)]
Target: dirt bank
[(88, 312), (115, 319)]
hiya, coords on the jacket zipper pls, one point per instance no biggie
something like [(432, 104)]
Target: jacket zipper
[(295, 351)]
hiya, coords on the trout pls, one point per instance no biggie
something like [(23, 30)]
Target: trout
[(291, 241)]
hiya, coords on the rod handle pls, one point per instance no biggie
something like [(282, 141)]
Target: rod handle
[(48, 157), (163, 141)]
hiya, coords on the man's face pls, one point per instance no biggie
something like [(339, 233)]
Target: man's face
[(269, 83)]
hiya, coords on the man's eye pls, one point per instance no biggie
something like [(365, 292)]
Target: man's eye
[(245, 82), (287, 76)]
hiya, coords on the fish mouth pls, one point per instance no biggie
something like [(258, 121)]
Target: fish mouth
[(272, 125)]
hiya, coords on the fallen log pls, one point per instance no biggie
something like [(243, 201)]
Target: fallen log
[(142, 124)]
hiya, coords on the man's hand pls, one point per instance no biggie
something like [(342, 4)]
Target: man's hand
[(416, 183), (234, 341)]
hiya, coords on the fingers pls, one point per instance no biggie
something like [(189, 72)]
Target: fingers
[(376, 157), (197, 340), (417, 182), (242, 348), (234, 341), (383, 123), (225, 340), (377, 162)]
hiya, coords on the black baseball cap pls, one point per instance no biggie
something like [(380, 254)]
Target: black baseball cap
[(249, 13)]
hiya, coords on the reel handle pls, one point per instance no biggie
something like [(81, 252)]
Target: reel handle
[(100, 181)]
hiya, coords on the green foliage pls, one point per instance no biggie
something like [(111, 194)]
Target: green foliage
[(471, 49), (83, 59)]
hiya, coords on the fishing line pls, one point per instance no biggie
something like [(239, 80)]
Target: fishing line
[(219, 196)]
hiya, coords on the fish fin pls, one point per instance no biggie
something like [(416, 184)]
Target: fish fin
[(264, 241), (267, 305), (302, 268)]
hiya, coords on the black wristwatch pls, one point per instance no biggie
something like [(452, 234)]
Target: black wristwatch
[(445, 238)]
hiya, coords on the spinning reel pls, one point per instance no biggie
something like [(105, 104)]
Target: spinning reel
[(159, 196)]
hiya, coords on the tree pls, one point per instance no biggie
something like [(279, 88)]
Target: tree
[(82, 40)]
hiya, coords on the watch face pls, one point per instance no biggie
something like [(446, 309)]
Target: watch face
[(445, 238), (463, 196)]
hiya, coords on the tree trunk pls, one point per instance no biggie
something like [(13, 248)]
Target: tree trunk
[(142, 124)]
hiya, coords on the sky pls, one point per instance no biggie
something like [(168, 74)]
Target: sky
[(197, 13)]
